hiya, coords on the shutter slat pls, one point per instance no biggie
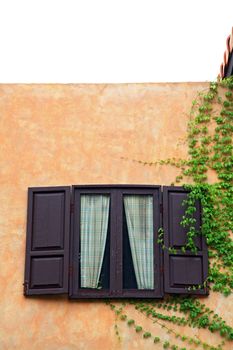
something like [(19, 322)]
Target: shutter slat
[(47, 245), (182, 271)]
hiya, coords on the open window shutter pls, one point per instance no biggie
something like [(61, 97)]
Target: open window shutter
[(229, 67), (47, 247), (182, 271)]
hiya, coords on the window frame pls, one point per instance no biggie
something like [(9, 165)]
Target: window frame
[(116, 193)]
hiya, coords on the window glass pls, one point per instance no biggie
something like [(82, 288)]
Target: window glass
[(138, 242), (94, 241)]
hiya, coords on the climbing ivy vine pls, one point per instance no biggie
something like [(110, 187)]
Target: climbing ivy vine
[(210, 151)]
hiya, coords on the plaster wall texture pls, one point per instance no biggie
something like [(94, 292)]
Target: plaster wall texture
[(82, 134)]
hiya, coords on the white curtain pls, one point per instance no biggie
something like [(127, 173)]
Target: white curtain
[(139, 217), (94, 227)]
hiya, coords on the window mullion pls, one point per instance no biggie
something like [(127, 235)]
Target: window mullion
[(114, 259), (119, 241)]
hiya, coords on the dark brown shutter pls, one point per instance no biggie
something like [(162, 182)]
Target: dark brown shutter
[(47, 246), (182, 271)]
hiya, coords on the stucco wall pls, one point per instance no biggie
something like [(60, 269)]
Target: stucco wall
[(81, 134)]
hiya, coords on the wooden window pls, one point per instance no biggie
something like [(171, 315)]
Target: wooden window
[(58, 258), (117, 278)]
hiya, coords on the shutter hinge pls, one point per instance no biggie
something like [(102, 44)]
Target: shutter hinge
[(161, 207), (25, 287), (71, 207)]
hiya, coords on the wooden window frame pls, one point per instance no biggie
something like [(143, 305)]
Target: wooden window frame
[(52, 244), (116, 193)]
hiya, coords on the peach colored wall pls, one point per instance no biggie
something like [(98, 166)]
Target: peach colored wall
[(81, 134)]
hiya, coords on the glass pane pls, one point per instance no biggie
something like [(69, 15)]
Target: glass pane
[(94, 239), (138, 242)]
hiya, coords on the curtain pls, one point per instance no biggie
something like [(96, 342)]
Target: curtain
[(94, 227), (139, 218)]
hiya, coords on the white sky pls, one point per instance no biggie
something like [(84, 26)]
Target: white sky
[(95, 41)]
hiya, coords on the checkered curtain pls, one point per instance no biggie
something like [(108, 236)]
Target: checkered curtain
[(94, 227), (139, 217)]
